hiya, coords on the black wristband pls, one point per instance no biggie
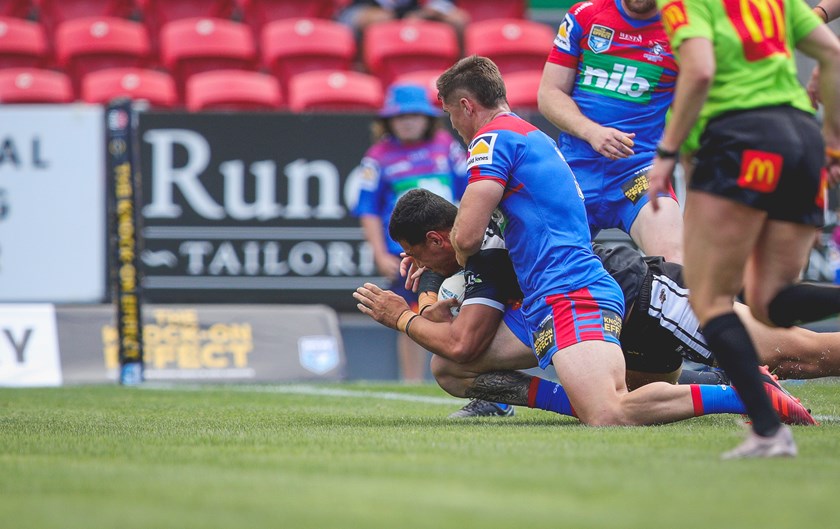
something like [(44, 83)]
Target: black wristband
[(408, 324), (666, 155)]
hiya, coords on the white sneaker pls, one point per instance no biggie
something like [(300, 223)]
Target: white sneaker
[(780, 444)]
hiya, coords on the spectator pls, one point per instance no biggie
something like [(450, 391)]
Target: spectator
[(362, 13)]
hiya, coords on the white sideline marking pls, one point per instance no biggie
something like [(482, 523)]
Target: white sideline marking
[(301, 389)]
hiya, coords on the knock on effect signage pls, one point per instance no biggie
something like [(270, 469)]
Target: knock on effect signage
[(242, 208)]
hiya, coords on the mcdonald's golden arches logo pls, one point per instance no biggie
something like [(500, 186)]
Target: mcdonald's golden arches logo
[(760, 171), (674, 17)]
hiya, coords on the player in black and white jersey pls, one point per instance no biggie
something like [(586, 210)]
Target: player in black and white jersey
[(477, 353)]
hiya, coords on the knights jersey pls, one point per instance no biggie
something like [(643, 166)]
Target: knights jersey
[(626, 72), (541, 211), (391, 168)]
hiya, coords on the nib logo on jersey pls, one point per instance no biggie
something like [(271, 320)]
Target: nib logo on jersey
[(622, 79)]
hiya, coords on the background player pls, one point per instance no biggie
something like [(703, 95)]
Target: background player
[(607, 85)]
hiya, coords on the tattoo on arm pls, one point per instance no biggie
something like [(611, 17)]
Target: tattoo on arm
[(507, 387)]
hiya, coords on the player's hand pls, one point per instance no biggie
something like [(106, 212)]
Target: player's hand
[(440, 312), (612, 143), (659, 178), (382, 305), (411, 272), (813, 87)]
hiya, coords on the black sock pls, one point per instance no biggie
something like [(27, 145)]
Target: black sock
[(804, 302), (735, 353)]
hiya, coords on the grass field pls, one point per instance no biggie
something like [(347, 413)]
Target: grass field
[(384, 456)]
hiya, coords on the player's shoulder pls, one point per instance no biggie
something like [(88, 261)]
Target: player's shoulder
[(507, 125), (584, 12)]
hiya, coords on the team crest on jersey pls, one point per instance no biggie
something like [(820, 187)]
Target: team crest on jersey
[(564, 32), (600, 38), (481, 150), (655, 52)]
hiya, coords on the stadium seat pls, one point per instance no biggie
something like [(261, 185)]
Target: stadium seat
[(294, 46), (52, 13), (522, 89), (85, 45), (480, 10), (23, 44), (195, 45), (424, 78), (335, 91), (15, 8), (153, 86), (157, 13), (514, 45), (397, 47), (32, 85), (258, 13), (233, 90)]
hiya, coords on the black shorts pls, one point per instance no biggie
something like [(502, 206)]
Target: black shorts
[(662, 329), (768, 158)]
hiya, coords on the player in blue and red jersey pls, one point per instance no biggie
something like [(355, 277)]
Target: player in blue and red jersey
[(607, 84), (572, 308)]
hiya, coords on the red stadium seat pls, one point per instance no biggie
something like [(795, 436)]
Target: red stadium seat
[(514, 45), (294, 46), (196, 45), (85, 45), (157, 88), (23, 44), (258, 13), (52, 13), (15, 8), (426, 79), (157, 13), (233, 90), (31, 85), (522, 89), (401, 46), (480, 10), (335, 91)]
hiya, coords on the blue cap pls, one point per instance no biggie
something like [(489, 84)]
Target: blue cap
[(407, 99)]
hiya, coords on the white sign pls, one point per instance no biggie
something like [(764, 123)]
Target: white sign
[(29, 346), (52, 204)]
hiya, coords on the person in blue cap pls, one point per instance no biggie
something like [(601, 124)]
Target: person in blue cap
[(411, 151)]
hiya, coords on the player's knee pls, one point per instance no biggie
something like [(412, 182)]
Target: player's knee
[(447, 378), (602, 416)]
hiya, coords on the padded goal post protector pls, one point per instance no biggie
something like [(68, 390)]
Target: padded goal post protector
[(124, 229)]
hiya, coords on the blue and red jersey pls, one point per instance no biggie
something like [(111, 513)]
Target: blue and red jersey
[(626, 72), (542, 213), (391, 168)]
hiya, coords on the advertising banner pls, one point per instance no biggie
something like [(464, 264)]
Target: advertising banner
[(195, 343), (52, 204), (28, 346), (244, 208)]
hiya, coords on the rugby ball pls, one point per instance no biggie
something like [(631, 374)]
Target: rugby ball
[(453, 286)]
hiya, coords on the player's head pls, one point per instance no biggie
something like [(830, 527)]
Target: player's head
[(420, 223), (407, 113), (469, 86)]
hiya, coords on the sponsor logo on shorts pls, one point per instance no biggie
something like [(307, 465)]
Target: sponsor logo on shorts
[(674, 16), (600, 38), (636, 188), (544, 339), (612, 323), (564, 32), (760, 171), (481, 150)]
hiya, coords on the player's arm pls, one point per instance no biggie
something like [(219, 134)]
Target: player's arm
[(697, 70), (823, 46), (460, 340), (477, 205), (555, 102)]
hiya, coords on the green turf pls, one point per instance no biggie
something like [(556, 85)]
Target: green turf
[(248, 457)]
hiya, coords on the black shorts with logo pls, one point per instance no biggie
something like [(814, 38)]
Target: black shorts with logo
[(769, 158)]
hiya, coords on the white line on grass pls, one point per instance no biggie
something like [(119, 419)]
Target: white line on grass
[(302, 389)]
